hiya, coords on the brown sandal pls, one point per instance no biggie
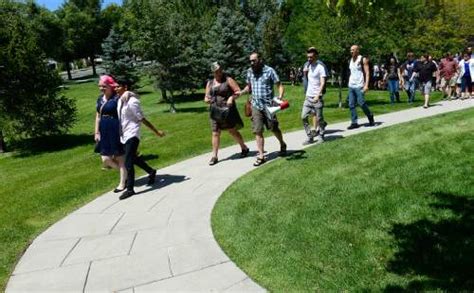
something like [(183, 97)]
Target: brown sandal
[(213, 161)]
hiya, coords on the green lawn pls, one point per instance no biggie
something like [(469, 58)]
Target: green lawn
[(387, 210), (46, 179)]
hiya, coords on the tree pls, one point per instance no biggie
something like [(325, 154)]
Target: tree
[(29, 102), (229, 43), (117, 57), (169, 33)]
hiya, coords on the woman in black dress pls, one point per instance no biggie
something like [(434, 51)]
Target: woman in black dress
[(221, 93), (107, 129)]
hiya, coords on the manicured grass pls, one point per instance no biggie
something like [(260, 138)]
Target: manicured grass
[(46, 179), (387, 210)]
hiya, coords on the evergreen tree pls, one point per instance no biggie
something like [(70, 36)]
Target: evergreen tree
[(30, 104), (229, 43), (117, 58)]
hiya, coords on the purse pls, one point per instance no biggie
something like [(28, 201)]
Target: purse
[(219, 113), (248, 108)]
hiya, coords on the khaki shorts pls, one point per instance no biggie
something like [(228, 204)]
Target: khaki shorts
[(259, 119), (448, 82)]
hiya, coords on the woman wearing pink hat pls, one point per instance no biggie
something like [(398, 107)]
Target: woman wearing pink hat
[(107, 129)]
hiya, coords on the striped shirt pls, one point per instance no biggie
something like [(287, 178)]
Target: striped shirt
[(261, 85)]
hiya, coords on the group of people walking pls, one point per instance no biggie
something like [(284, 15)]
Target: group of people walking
[(119, 115), (117, 132), (222, 91), (452, 75)]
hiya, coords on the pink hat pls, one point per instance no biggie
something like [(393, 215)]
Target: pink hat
[(107, 80)]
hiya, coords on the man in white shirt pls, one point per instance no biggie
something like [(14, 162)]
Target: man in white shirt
[(315, 74), (358, 86), (131, 117)]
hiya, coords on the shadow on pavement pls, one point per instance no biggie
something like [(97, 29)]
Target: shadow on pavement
[(438, 250), (162, 180)]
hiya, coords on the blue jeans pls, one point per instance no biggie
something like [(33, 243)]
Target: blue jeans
[(410, 88), (356, 95), (393, 88)]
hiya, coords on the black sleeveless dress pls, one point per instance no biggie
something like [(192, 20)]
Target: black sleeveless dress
[(220, 94)]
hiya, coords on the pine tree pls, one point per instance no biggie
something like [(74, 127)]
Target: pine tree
[(229, 42), (117, 58), (30, 100)]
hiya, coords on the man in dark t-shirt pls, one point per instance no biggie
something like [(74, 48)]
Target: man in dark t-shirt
[(409, 80), (424, 71)]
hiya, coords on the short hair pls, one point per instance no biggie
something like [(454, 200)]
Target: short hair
[(312, 50), (125, 81), (256, 53)]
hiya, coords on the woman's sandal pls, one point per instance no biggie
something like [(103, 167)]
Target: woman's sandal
[(244, 153), (213, 161), (259, 162)]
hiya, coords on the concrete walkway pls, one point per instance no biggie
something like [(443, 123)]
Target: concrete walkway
[(160, 239)]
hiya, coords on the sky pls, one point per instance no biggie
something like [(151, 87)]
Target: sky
[(54, 4)]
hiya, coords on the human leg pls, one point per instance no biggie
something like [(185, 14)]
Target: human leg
[(123, 172), (240, 140), (363, 104), (352, 106), (108, 161)]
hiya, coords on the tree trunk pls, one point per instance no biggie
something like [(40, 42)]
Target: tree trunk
[(164, 95), (68, 69), (339, 79), (2, 143), (94, 72)]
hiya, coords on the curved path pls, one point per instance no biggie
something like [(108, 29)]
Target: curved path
[(160, 239)]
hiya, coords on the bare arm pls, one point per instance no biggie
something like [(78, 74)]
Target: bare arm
[(207, 95), (235, 89), (96, 131), (152, 128), (281, 90), (365, 62)]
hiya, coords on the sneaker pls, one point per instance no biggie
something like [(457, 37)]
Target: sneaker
[(319, 139), (151, 178), (371, 120), (310, 140), (313, 133), (353, 126), (126, 194)]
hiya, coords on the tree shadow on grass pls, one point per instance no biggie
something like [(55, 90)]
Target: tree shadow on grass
[(441, 252), (53, 143)]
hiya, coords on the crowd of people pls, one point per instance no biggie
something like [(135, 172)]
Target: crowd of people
[(452, 75), (119, 115)]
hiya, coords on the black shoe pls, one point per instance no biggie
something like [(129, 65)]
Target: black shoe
[(282, 151), (126, 194), (151, 178), (353, 126), (245, 153), (117, 190), (371, 120)]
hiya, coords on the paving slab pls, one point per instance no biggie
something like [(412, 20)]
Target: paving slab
[(64, 279), (213, 278), (125, 272), (161, 239), (45, 255), (100, 247)]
